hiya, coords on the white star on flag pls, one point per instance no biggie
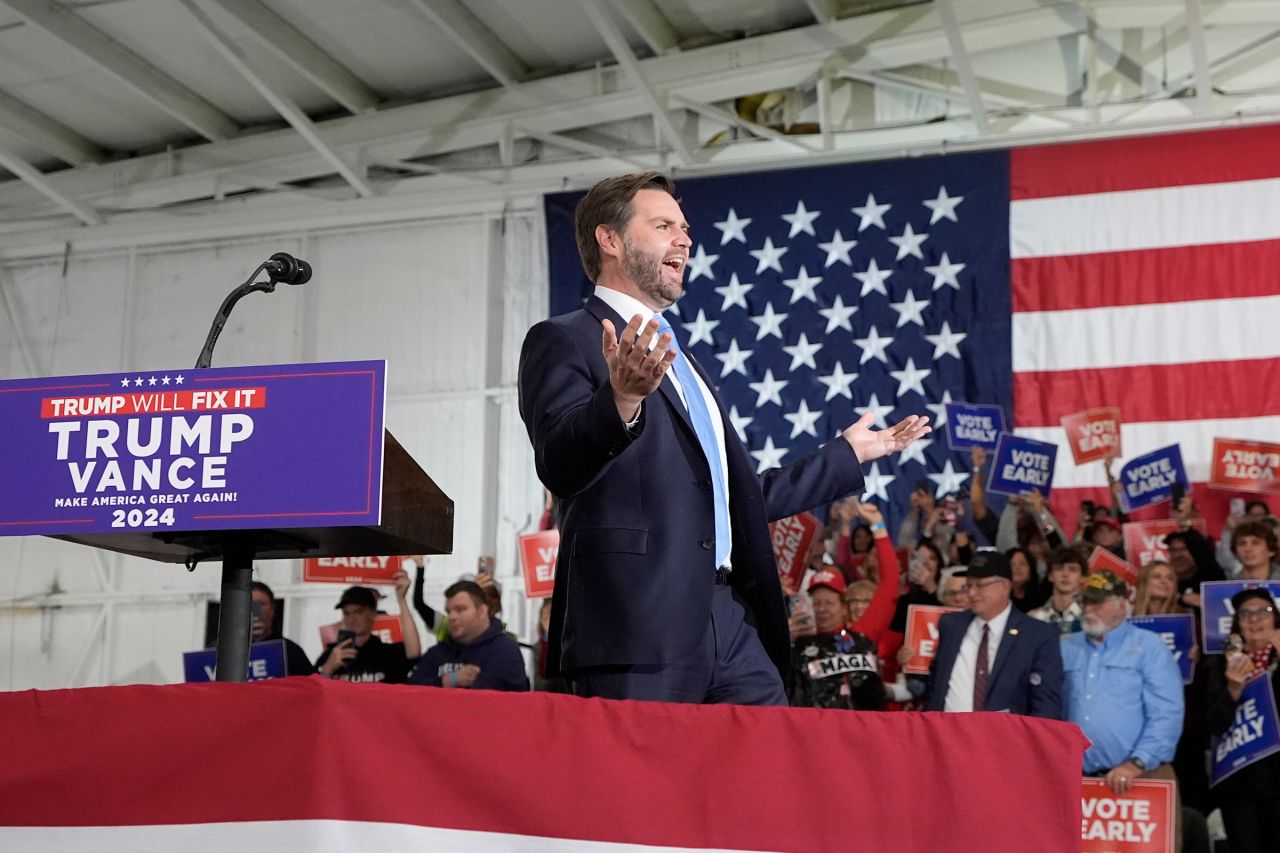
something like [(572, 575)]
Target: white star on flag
[(871, 213), (878, 411), (910, 309), (802, 420), (837, 249), (802, 285), (873, 279), (944, 206), (802, 353), (769, 323), (802, 220), (946, 342), (914, 452), (838, 382), (910, 378), (734, 293), (873, 346), (950, 480), (768, 456), (734, 359), (909, 243), (768, 257), (876, 483), (733, 228), (740, 423), (939, 410), (700, 264), (838, 315), (768, 390), (944, 273), (700, 329)]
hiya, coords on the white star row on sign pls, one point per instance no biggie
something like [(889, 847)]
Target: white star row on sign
[(138, 381), (733, 228), (802, 219)]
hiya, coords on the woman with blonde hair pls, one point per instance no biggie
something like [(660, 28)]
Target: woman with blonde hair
[(1157, 591)]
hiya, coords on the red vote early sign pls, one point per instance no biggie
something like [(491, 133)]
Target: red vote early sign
[(793, 538), (1245, 466), (1101, 558), (922, 635), (1139, 821), (1144, 540), (538, 553), (1093, 434), (386, 628), (374, 571)]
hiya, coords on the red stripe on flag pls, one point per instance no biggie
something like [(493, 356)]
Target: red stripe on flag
[(1138, 163), (1178, 274), (1208, 390)]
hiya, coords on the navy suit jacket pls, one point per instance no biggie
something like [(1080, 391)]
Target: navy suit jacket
[(1027, 677), (637, 526)]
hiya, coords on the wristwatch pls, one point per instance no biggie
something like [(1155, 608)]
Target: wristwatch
[(1138, 763)]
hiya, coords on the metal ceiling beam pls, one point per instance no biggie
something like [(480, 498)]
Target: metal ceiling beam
[(734, 120), (290, 111), (568, 101), (647, 19), (823, 11), (153, 84), (964, 68), (909, 83), (307, 57), (1199, 58), (47, 134), (579, 146), (608, 30), (477, 40), (32, 176)]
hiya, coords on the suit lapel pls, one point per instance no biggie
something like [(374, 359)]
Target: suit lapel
[(1007, 642), (947, 655)]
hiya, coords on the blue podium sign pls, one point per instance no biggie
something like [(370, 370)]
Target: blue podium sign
[(216, 449)]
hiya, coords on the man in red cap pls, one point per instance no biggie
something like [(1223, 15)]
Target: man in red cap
[(1105, 533), (836, 667)]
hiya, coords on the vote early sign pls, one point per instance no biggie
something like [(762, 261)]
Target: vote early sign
[(1022, 465), (1215, 603), (538, 552), (370, 571), (1144, 540), (970, 425), (1093, 434), (1150, 478), (215, 449), (266, 660), (922, 635), (793, 538), (1139, 821), (1178, 630), (1246, 466), (1254, 733)]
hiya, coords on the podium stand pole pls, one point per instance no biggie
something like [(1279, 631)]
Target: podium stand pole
[(234, 615)]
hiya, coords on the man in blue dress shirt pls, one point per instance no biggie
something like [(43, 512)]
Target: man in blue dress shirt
[(1124, 690)]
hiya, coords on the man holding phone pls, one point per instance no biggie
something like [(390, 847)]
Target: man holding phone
[(264, 630), (358, 654)]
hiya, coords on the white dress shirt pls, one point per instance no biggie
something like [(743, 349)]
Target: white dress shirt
[(627, 307), (960, 690)]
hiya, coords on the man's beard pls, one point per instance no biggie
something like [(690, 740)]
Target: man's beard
[(645, 272)]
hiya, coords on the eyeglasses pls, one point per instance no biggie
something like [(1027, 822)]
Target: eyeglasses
[(973, 586), (1254, 612)]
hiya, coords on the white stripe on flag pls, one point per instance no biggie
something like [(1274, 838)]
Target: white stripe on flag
[(1195, 438), (1160, 333), (1195, 215), (313, 836)]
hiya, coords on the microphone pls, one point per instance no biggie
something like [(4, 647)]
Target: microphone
[(284, 267)]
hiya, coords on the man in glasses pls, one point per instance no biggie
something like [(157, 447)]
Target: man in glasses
[(993, 657)]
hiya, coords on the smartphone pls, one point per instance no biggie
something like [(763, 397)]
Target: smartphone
[(949, 511), (484, 566), (1237, 507), (344, 634), (1179, 492)]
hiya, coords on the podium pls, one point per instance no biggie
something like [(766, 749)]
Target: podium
[(417, 518), (268, 462)]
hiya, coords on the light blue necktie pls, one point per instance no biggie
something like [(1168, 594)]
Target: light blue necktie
[(696, 405)]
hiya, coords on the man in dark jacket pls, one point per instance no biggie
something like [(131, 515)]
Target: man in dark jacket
[(476, 654)]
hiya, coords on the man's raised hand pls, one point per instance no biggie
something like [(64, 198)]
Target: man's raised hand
[(869, 444), (635, 372)]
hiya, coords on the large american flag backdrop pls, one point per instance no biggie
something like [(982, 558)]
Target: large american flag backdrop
[(1138, 273)]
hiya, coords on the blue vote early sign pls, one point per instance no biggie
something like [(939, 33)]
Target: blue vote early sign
[(1021, 465), (1149, 479), (973, 425), (266, 660), (296, 445), (1254, 733), (1178, 630), (1216, 612)]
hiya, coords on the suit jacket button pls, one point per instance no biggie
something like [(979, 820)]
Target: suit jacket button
[(705, 485), (707, 544)]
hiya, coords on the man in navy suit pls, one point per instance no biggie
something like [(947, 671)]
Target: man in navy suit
[(666, 586), (991, 657)]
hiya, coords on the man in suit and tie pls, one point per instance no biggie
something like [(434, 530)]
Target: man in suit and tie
[(666, 585), (992, 657)]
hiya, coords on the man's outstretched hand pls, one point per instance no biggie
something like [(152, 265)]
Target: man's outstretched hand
[(870, 444), (635, 372)]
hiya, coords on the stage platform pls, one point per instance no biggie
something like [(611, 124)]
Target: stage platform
[(307, 764)]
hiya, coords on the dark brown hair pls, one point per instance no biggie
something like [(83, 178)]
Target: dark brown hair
[(1260, 529), (472, 589), (609, 203), (1069, 554)]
